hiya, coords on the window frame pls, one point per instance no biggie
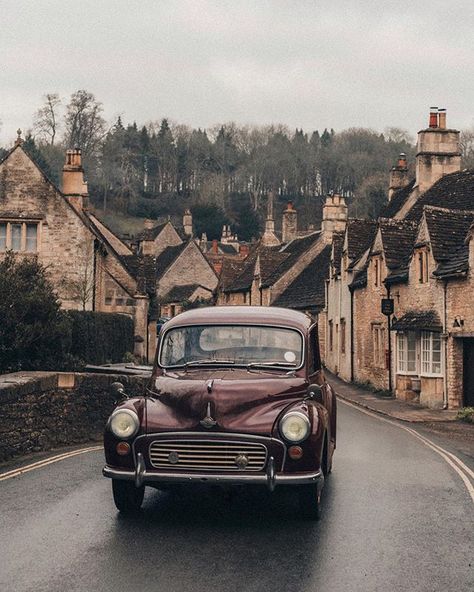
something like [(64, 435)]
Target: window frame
[(404, 336), (427, 336), (10, 224)]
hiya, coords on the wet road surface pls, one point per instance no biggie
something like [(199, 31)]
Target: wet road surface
[(396, 517)]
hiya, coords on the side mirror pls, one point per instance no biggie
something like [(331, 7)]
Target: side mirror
[(117, 389), (315, 392)]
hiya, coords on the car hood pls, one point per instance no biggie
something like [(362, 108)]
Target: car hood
[(238, 400)]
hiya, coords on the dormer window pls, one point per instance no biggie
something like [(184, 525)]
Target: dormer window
[(377, 272), (422, 264), (19, 236)]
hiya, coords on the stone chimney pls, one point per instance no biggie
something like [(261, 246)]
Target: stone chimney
[(438, 151), (398, 176), (74, 186), (334, 214), (188, 222), (147, 244), (269, 238), (289, 223)]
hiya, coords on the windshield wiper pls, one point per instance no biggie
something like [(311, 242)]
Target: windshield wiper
[(208, 362), (270, 364)]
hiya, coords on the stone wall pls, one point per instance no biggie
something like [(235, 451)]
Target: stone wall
[(44, 410)]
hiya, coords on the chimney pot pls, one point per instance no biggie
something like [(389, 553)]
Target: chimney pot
[(433, 116), (402, 160), (214, 246), (442, 118), (148, 224)]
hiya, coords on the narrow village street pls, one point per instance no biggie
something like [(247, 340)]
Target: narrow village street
[(396, 516)]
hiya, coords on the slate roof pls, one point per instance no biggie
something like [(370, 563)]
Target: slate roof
[(457, 265), (166, 258), (181, 293), (398, 200), (454, 191), (398, 238), (150, 233), (360, 235), (231, 269), (416, 320), (274, 262), (142, 268), (293, 251), (360, 279), (307, 291), (448, 230)]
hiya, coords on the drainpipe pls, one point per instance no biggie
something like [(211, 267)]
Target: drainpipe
[(389, 324), (445, 332), (352, 334)]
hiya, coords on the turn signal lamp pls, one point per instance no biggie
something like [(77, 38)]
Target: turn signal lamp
[(123, 448), (295, 452)]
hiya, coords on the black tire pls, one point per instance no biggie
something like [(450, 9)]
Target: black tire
[(309, 502), (128, 498)]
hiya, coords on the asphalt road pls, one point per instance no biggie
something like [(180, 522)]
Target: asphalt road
[(396, 517)]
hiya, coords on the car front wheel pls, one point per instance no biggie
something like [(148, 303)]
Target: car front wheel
[(128, 498), (310, 502)]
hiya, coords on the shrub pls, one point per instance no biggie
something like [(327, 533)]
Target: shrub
[(99, 337), (466, 414), (34, 333)]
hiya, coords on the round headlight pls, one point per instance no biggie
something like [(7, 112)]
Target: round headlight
[(295, 426), (124, 423)]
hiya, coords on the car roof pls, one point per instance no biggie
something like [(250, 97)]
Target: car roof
[(242, 315)]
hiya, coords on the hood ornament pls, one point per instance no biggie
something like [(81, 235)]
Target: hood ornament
[(208, 422)]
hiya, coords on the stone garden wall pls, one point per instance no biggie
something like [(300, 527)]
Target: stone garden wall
[(44, 410)]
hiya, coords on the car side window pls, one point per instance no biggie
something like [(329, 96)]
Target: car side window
[(314, 363)]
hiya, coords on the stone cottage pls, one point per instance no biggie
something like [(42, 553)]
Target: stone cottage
[(420, 258)]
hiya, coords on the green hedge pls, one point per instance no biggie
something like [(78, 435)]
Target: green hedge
[(99, 337)]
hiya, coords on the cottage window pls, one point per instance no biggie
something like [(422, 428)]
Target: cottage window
[(406, 352), (430, 353), (377, 272), (343, 336), (423, 272), (378, 345), (19, 236)]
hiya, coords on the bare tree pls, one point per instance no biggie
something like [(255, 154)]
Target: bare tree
[(84, 124), (46, 120), (80, 289), (467, 148)]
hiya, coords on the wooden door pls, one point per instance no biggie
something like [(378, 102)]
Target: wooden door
[(468, 378)]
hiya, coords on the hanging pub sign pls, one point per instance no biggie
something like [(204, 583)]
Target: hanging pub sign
[(387, 306)]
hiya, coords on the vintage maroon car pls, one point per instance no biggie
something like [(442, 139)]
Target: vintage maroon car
[(237, 396)]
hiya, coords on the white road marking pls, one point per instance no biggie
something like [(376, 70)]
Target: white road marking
[(46, 461), (456, 463)]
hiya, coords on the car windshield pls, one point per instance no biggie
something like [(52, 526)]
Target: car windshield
[(241, 345)]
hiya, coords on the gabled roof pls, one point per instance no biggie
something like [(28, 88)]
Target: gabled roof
[(360, 235), (293, 251), (448, 230), (231, 270), (398, 238), (454, 191), (398, 200), (308, 290), (108, 236), (182, 293), (166, 258), (150, 233)]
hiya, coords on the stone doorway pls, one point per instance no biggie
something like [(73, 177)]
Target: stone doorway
[(468, 372)]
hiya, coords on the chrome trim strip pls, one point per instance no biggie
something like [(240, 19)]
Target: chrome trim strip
[(237, 478)]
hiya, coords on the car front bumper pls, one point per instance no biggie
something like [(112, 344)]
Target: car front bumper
[(270, 478)]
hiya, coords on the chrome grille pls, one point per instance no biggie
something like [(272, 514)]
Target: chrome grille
[(208, 455)]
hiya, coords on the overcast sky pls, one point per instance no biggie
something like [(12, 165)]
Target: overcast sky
[(304, 63)]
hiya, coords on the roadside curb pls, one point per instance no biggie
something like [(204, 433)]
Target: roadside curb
[(383, 413)]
